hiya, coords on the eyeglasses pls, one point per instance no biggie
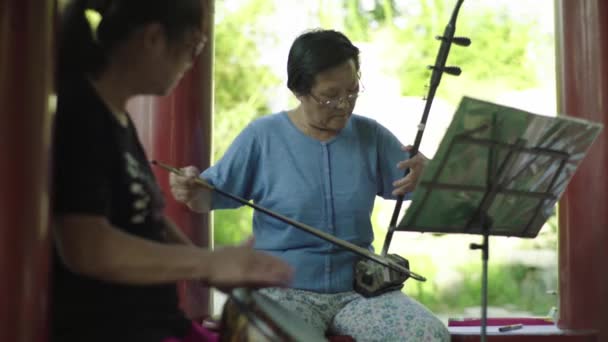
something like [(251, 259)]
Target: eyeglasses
[(336, 102), (196, 47), (195, 42)]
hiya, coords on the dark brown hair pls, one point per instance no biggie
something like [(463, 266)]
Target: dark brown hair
[(85, 50), (314, 52)]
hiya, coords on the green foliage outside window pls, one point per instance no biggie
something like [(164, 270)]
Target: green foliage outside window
[(241, 86), (507, 51)]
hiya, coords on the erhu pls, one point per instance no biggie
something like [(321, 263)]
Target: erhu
[(371, 278)]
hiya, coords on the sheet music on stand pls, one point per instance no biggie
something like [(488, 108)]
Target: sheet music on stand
[(527, 159), (498, 171)]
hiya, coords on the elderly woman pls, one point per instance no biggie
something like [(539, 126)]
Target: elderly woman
[(322, 165)]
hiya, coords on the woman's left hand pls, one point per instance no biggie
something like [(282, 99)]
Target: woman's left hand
[(416, 166)]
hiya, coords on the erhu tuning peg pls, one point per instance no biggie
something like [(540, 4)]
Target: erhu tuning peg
[(462, 41), (456, 71), (452, 70)]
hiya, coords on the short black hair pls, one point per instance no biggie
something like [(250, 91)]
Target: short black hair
[(82, 51), (314, 52)]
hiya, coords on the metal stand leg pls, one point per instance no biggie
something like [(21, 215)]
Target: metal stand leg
[(485, 247)]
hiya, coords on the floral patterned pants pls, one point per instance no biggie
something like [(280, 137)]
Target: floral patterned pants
[(392, 316)]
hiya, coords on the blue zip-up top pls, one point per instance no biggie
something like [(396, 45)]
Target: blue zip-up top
[(328, 185)]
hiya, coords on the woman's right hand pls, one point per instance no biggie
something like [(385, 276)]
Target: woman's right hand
[(187, 190), (243, 266)]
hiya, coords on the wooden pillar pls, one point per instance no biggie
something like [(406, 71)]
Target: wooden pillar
[(26, 71), (582, 67), (177, 130)]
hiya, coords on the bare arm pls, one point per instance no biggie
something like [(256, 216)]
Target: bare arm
[(91, 246)]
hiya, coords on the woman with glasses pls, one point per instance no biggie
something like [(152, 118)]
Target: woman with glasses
[(322, 165), (116, 257)]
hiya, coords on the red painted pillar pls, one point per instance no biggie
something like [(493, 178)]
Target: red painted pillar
[(582, 56), (177, 130), (26, 70)]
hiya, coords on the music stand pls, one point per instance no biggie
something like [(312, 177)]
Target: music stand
[(498, 171)]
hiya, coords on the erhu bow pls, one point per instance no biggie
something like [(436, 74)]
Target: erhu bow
[(362, 252), (372, 279)]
